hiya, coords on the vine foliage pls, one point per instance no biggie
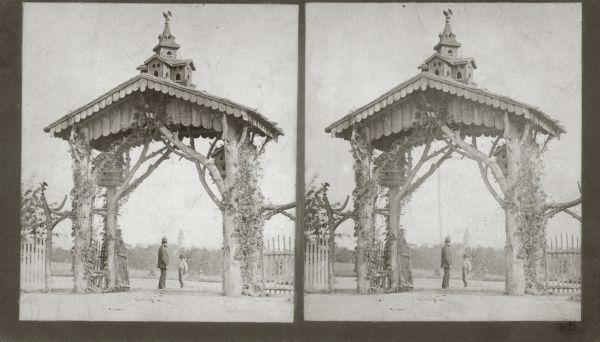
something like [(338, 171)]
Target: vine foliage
[(246, 201), (527, 198)]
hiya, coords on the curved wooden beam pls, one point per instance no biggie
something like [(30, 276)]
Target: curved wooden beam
[(194, 155)]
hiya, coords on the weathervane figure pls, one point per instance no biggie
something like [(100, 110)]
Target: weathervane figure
[(448, 14), (168, 15)]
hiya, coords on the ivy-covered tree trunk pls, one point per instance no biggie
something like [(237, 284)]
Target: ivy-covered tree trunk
[(110, 232), (365, 195), (331, 258), (394, 246), (515, 273), (232, 271), (83, 194), (254, 272), (48, 260)]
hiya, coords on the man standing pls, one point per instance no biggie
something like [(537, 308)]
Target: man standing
[(163, 263), (446, 261), (183, 268)]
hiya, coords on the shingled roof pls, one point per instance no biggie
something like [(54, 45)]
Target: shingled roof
[(142, 83), (426, 80)]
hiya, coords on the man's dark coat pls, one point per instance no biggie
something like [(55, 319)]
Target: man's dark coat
[(163, 257), (446, 257)]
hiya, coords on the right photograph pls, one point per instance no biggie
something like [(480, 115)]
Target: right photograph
[(443, 162)]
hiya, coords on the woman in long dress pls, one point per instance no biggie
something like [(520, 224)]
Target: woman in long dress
[(122, 280)]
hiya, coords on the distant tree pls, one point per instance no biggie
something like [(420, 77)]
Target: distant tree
[(344, 255)]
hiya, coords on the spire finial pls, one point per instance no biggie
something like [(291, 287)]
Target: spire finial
[(448, 14)]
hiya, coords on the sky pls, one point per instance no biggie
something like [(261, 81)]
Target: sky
[(529, 52), (73, 53)]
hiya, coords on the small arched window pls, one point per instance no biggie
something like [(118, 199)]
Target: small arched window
[(177, 77), (450, 51), (156, 73), (458, 75), (168, 53), (437, 72)]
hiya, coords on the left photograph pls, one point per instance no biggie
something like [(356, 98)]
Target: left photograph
[(158, 162)]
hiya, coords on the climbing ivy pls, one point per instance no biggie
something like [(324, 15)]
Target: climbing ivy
[(316, 222), (528, 199), (246, 201)]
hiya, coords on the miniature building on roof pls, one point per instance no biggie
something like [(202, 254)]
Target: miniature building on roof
[(165, 64), (474, 110), (446, 60), (165, 84)]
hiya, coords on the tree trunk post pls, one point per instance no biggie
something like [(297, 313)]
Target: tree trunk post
[(331, 259), (48, 261), (110, 230), (515, 272), (365, 195), (232, 274), (83, 195), (394, 221)]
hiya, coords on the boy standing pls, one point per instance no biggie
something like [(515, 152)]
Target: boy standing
[(183, 268), (466, 269)]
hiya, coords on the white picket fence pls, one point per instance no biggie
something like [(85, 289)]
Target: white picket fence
[(316, 266), (33, 258), (278, 265)]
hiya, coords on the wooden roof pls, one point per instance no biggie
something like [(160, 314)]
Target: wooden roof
[(111, 113), (480, 109)]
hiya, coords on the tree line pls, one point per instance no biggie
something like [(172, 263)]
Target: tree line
[(200, 260), (484, 260)]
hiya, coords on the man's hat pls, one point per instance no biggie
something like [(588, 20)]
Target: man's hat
[(447, 239), (164, 239)]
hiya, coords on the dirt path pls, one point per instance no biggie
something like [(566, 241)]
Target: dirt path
[(482, 301), (197, 302)]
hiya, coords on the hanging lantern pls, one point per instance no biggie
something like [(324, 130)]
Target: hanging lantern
[(502, 159), (391, 177), (219, 156), (111, 174)]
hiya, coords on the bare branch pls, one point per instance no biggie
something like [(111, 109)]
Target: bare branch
[(476, 154), (288, 215), (201, 175), (438, 152), (415, 170), (554, 208), (125, 192), (493, 148), (212, 147), (279, 206), (262, 147), (413, 187), (195, 156), (573, 214), (155, 153), (59, 220), (343, 204), (61, 205), (483, 170), (344, 216), (135, 166)]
